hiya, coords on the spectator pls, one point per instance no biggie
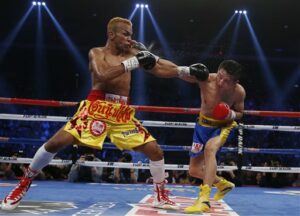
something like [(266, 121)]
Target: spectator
[(275, 179), (6, 171), (173, 176), (296, 183), (80, 173), (260, 179), (125, 175), (56, 172), (184, 178), (231, 175), (249, 178)]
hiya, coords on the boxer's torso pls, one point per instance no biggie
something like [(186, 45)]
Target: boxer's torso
[(211, 95), (119, 85)]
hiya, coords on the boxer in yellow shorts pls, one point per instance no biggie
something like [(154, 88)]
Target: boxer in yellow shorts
[(106, 113)]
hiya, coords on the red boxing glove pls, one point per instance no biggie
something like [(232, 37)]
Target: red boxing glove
[(223, 112)]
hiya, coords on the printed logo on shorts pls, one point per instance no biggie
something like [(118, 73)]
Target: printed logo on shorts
[(97, 127), (129, 132), (197, 147)]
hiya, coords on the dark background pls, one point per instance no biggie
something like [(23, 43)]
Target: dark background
[(188, 26)]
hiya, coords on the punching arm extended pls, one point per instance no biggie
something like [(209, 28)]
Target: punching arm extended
[(164, 69)]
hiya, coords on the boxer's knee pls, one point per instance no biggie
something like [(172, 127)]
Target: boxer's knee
[(211, 149), (196, 172), (59, 141), (53, 146), (152, 151), (156, 154)]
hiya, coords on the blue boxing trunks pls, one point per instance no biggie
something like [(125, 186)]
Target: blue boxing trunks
[(207, 128)]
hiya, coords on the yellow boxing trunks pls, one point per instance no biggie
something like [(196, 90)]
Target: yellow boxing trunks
[(103, 115)]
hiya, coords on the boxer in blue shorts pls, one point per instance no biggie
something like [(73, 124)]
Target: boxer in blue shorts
[(204, 131), (222, 102)]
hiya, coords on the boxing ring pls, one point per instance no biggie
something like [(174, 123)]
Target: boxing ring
[(66, 198)]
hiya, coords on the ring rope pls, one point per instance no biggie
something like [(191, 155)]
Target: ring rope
[(108, 145), (146, 165), (165, 124), (34, 102), (178, 110), (240, 146)]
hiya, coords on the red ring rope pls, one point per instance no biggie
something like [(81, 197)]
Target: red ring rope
[(178, 110)]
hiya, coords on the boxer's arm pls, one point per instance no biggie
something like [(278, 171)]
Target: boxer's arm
[(190, 79), (164, 69), (222, 111), (97, 66), (167, 69), (194, 73)]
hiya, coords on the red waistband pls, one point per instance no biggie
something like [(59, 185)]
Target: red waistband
[(100, 95), (96, 95)]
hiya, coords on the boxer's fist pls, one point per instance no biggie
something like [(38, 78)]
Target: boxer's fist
[(223, 112), (146, 60), (139, 46), (143, 59), (197, 70), (200, 71)]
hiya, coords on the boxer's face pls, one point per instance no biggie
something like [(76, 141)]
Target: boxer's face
[(123, 34), (224, 80)]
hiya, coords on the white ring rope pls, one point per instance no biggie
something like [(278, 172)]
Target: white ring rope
[(165, 124), (146, 165), (34, 117)]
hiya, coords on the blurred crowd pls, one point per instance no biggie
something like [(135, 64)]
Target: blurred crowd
[(78, 172)]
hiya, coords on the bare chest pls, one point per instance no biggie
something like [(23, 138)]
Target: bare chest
[(210, 96), (111, 60)]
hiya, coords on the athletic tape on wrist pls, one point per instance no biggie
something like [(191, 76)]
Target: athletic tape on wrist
[(183, 71), (131, 64)]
